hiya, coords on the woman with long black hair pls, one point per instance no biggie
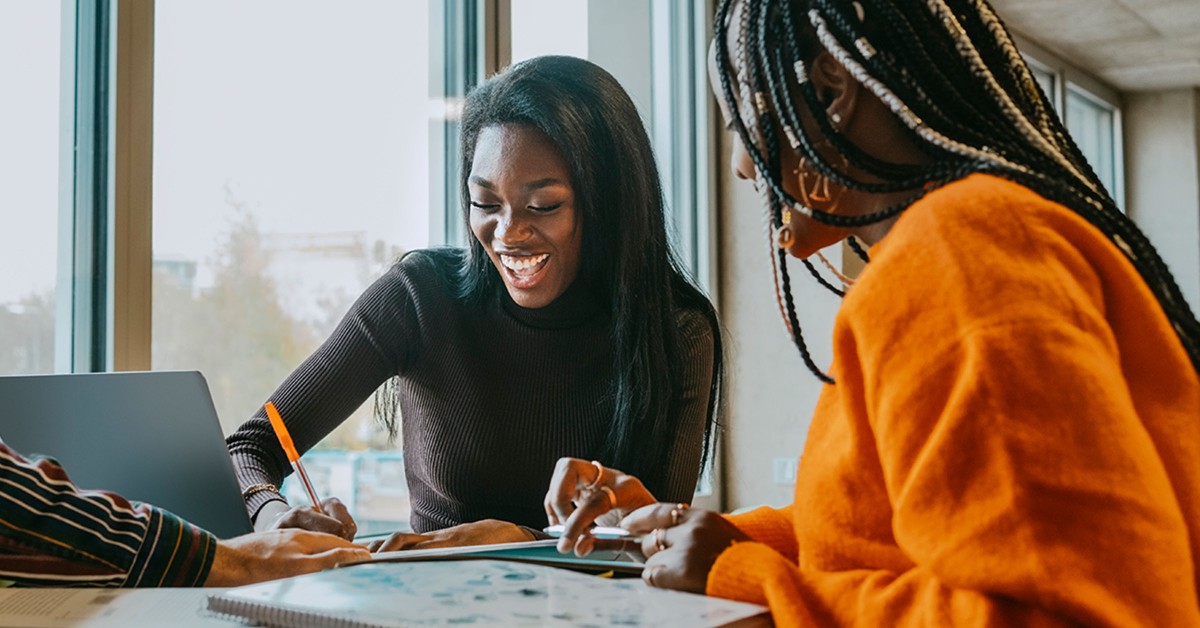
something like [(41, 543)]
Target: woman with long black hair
[(1010, 427), (566, 327)]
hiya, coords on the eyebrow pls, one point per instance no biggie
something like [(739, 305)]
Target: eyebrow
[(532, 185)]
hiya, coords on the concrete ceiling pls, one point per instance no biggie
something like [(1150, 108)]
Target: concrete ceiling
[(1130, 44)]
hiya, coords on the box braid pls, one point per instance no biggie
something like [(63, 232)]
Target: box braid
[(950, 71)]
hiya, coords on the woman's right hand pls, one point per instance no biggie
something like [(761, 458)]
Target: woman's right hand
[(336, 520), (261, 556), (580, 492)]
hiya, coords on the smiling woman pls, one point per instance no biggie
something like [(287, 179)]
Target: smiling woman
[(565, 328)]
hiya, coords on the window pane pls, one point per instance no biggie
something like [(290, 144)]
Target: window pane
[(29, 139), (549, 27), (292, 165), (1090, 123), (1046, 79)]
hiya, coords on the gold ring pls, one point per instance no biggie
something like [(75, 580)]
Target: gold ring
[(612, 497), (660, 543), (676, 512), (599, 475)]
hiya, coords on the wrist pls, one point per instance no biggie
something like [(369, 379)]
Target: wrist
[(228, 567), (269, 513)]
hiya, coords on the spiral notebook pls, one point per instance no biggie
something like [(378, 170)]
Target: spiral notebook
[(475, 592)]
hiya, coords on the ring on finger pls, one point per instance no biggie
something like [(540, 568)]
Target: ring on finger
[(676, 512), (660, 542)]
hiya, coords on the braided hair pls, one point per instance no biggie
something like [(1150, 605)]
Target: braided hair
[(950, 71)]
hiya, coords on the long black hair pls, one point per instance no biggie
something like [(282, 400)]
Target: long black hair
[(949, 70), (625, 256)]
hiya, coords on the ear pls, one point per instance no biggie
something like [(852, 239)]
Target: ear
[(836, 88)]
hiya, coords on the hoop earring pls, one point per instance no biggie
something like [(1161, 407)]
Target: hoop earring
[(784, 238)]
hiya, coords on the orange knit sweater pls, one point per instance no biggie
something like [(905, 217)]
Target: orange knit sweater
[(1013, 439)]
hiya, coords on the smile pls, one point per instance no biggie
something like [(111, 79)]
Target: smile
[(524, 271)]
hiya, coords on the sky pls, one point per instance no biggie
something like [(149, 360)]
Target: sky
[(29, 109)]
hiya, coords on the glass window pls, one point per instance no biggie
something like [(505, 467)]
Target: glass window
[(30, 50), (549, 27), (295, 154), (1091, 124), (1047, 79)]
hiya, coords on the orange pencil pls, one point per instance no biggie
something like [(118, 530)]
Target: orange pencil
[(285, 441)]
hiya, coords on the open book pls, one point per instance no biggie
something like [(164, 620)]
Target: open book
[(476, 592), (537, 552)]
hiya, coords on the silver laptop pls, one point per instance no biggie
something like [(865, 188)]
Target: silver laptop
[(148, 436)]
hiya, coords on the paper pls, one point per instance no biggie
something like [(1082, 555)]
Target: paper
[(109, 608), (476, 592)]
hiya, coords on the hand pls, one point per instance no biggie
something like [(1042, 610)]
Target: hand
[(581, 491), (483, 532), (681, 544), (261, 556), (275, 515)]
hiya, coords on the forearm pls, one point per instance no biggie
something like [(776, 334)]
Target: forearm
[(54, 534)]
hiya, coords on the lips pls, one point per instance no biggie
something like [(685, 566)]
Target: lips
[(524, 271)]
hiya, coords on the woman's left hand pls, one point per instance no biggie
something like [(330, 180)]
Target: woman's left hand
[(485, 532), (681, 544)]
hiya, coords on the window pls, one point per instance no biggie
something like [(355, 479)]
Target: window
[(296, 151), (1090, 112), (30, 45), (1092, 123), (549, 27), (292, 165)]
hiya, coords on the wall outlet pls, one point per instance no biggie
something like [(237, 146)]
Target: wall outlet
[(785, 471)]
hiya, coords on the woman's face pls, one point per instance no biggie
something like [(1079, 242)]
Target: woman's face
[(523, 213), (809, 236)]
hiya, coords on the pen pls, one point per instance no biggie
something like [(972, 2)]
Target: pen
[(285, 441)]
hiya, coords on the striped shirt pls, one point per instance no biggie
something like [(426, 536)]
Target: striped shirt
[(53, 534)]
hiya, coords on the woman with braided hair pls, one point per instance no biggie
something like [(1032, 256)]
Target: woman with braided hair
[(1010, 427)]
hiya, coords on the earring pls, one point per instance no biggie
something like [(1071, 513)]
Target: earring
[(836, 118), (814, 186), (784, 238)]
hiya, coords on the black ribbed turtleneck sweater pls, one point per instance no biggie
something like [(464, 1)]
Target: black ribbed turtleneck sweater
[(491, 394)]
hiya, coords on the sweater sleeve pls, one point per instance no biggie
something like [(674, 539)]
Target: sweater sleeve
[(1017, 502), (691, 409), (772, 527), (376, 339), (52, 534)]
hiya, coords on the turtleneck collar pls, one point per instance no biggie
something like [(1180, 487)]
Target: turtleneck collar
[(575, 306)]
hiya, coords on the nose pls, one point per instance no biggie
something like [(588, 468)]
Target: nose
[(511, 228), (740, 163)]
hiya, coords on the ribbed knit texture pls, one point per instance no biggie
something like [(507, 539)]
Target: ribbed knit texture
[(492, 394), (1013, 439)]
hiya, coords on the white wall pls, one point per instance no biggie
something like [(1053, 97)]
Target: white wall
[(771, 394), (1162, 130)]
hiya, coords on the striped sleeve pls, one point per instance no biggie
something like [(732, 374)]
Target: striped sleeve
[(53, 534)]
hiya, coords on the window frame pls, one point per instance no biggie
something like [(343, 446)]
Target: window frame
[(1069, 78)]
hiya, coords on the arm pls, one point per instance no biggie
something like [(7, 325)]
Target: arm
[(1017, 501), (56, 535), (375, 340), (691, 408)]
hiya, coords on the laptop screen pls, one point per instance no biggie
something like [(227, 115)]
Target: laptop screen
[(147, 436)]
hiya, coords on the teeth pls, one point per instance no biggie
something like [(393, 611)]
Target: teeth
[(519, 264)]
